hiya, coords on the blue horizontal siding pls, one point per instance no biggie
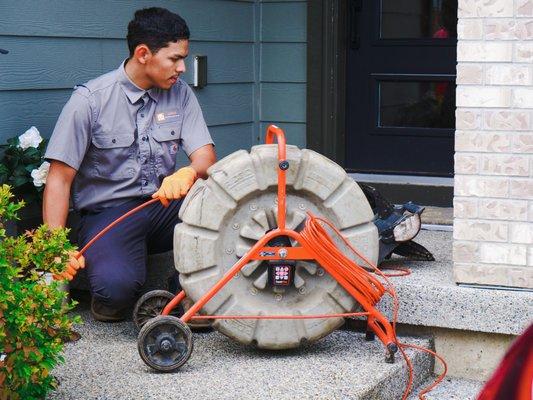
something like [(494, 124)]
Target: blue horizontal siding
[(283, 68), (228, 139), (221, 104), (227, 104), (21, 109), (283, 102), (33, 63), (59, 43), (207, 19), (284, 22), (294, 133), (283, 62)]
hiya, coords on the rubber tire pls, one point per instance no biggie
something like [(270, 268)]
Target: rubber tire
[(162, 294), (224, 215), (156, 322)]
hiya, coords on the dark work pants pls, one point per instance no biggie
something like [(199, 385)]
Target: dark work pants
[(116, 263)]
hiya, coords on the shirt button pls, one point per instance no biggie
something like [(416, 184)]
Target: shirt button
[(145, 138), (114, 140), (145, 183), (172, 132), (142, 115)]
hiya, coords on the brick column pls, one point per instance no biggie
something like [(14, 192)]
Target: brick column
[(493, 198)]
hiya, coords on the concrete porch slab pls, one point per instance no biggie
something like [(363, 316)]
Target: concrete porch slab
[(430, 297)]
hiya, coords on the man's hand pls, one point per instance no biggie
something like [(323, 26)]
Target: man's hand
[(72, 267), (177, 185)]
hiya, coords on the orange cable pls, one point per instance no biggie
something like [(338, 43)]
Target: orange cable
[(317, 236), (118, 220)]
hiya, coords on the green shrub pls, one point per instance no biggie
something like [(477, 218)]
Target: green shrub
[(33, 314)]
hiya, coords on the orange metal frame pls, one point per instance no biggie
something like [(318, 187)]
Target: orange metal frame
[(376, 321)]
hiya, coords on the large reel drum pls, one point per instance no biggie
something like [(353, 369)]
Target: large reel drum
[(226, 214)]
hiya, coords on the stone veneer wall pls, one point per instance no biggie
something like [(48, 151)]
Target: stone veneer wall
[(493, 203)]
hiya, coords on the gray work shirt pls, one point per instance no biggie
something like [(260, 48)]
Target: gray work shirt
[(122, 139)]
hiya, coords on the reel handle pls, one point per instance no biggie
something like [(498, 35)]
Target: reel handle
[(283, 165)]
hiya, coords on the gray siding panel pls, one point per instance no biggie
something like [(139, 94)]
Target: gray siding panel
[(32, 62), (207, 19), (284, 22), (283, 62)]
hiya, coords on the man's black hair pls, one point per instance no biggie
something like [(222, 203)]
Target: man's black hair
[(155, 27)]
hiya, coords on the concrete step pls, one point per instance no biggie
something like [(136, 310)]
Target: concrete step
[(450, 389), (471, 326), (437, 215), (104, 364)]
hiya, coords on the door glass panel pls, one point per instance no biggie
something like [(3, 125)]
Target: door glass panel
[(417, 104), (418, 19)]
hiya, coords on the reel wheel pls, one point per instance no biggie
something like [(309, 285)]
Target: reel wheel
[(151, 304), (165, 343)]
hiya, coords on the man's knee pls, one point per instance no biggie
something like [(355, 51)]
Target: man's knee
[(116, 292)]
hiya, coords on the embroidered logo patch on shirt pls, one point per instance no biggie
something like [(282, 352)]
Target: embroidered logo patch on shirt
[(167, 116)]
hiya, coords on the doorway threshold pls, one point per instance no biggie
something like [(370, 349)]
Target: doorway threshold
[(399, 189), (402, 179)]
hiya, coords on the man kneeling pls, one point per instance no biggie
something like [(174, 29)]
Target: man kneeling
[(114, 147)]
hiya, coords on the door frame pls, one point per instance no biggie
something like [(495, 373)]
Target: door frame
[(326, 77)]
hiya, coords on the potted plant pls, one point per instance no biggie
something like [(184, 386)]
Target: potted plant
[(23, 168), (34, 319)]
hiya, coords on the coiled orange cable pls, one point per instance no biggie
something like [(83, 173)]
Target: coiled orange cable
[(315, 234)]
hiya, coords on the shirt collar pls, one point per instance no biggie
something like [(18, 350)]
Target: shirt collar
[(133, 92)]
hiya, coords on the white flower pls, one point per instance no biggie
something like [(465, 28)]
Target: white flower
[(39, 175), (30, 138)]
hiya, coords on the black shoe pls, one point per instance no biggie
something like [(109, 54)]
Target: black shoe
[(105, 313)]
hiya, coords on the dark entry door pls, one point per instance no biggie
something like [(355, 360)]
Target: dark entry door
[(401, 62)]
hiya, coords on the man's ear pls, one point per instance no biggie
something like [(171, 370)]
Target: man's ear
[(142, 53)]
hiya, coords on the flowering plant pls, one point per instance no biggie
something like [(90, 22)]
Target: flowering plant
[(34, 317), (22, 165)]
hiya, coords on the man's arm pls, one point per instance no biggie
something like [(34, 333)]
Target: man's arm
[(57, 193), (202, 159), (177, 185)]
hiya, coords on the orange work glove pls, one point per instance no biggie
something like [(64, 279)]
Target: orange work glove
[(177, 185), (72, 267)]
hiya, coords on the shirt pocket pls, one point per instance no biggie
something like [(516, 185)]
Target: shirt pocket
[(113, 155), (167, 139)]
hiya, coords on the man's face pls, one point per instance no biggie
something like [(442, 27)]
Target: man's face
[(165, 67)]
